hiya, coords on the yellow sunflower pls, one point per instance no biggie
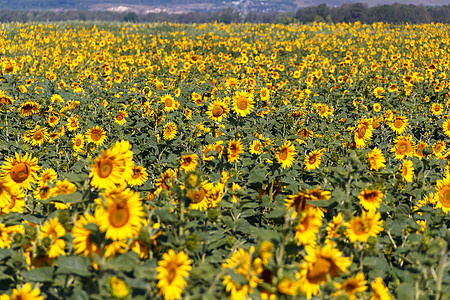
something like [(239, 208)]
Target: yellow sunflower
[(189, 162), (313, 159), (234, 150), (243, 103), (120, 117), (118, 288), (363, 133), (438, 148), (7, 189), (399, 124), (308, 227), (319, 264), (419, 150), (370, 199), (38, 136), (437, 109), (139, 176), (403, 147), (407, 170), (21, 170), (443, 194), (95, 135), (121, 215), (360, 228), (82, 242), (379, 290), (73, 123), (217, 110), (169, 131), (29, 108), (285, 155), (199, 195), (78, 142), (53, 119), (256, 147), (376, 159), (446, 127), (54, 230), (352, 287), (26, 292), (113, 166), (377, 107), (378, 92), (170, 104), (172, 270)]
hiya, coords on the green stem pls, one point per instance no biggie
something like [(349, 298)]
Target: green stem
[(441, 270)]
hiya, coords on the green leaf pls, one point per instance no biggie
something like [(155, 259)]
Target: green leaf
[(165, 215), (242, 225), (276, 213), (405, 291), (322, 203), (74, 197), (257, 175), (79, 294), (44, 274), (76, 265), (124, 262)]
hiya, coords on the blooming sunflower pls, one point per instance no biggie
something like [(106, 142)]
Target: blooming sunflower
[(437, 109), (217, 110), (360, 228), (438, 147), (234, 150), (419, 150), (73, 123), (6, 190), (446, 127), (172, 270), (120, 117), (54, 230), (370, 199), (29, 108), (376, 159), (188, 162), (243, 103), (443, 194), (139, 176), (78, 142), (313, 159), (363, 133), (407, 170), (379, 92), (285, 155), (21, 170), (118, 288), (379, 290), (38, 136), (308, 227), (319, 264), (95, 135), (113, 166), (169, 131), (200, 195), (25, 292), (403, 147), (255, 147), (377, 107), (82, 242), (264, 93), (53, 119), (121, 216), (352, 287), (170, 104), (399, 124)]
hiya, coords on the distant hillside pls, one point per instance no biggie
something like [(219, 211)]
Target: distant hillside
[(183, 6)]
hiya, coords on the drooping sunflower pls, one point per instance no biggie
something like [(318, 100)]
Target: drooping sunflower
[(95, 135), (20, 170), (172, 270), (360, 228), (169, 131), (243, 103), (121, 216), (113, 166), (370, 199), (376, 159), (313, 159), (286, 155), (170, 104), (217, 110), (399, 124), (43, 192), (29, 108), (255, 147), (443, 194), (320, 264), (188, 162), (332, 227), (308, 227), (407, 170), (234, 150), (353, 287), (403, 147), (25, 292), (379, 290), (207, 156), (139, 176)]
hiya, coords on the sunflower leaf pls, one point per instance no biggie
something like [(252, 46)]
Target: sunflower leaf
[(76, 265), (43, 274)]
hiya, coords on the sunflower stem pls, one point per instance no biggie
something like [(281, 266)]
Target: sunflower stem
[(441, 270), (181, 217)]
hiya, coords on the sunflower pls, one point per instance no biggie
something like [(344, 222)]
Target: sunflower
[(437, 109), (73, 123), (21, 170), (234, 150), (443, 194), (217, 110), (438, 148), (113, 166), (53, 119), (187, 113), (95, 135), (188, 162), (404, 147), (6, 190), (352, 287), (298, 202), (139, 176), (199, 196), (304, 134), (363, 132), (197, 98), (319, 264), (172, 270), (313, 159), (446, 127), (78, 142), (376, 159), (120, 117), (360, 228), (17, 200), (407, 170), (25, 292), (166, 180), (29, 108), (376, 107), (332, 227), (308, 227), (264, 93), (118, 288), (243, 103), (43, 192), (122, 214), (54, 230), (207, 156), (379, 290), (285, 155), (288, 287), (38, 136), (256, 147), (370, 199), (399, 124), (419, 150), (170, 104), (169, 131), (82, 242), (218, 147), (378, 92)]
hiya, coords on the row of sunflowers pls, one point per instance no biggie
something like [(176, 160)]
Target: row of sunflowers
[(205, 161)]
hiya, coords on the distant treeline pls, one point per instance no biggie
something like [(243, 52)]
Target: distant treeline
[(396, 13)]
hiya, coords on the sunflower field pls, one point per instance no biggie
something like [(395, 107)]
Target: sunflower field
[(213, 161)]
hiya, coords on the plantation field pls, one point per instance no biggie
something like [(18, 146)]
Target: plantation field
[(212, 161)]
